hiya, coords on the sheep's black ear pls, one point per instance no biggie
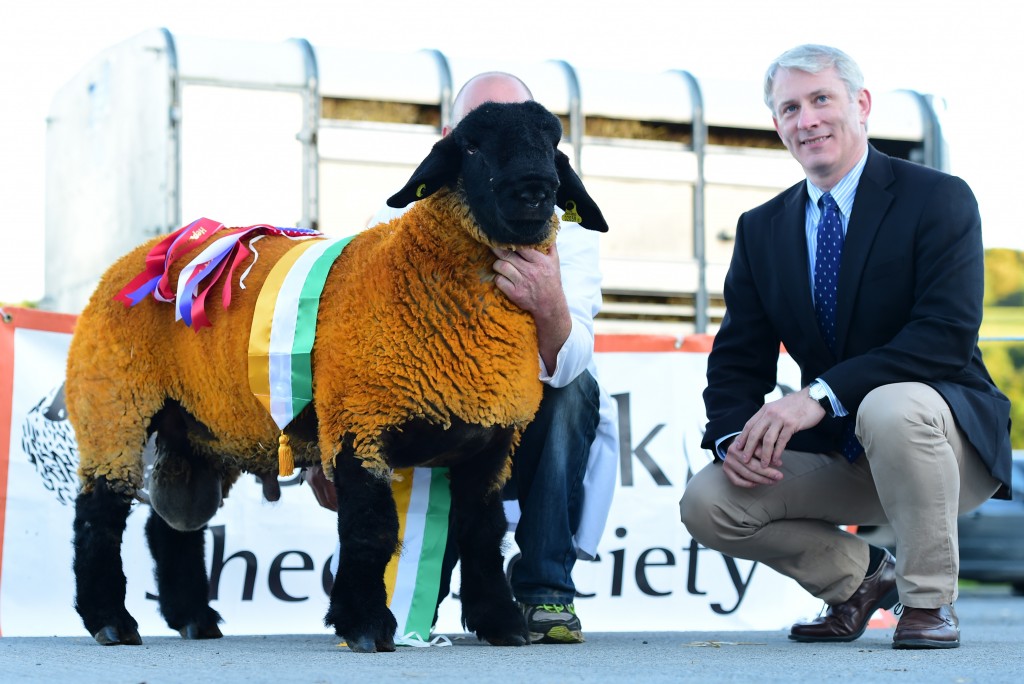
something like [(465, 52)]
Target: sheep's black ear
[(573, 198), (440, 168)]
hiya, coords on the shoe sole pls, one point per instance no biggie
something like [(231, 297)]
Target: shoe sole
[(558, 635), (924, 643), (887, 602)]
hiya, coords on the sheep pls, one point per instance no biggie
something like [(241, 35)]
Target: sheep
[(419, 360)]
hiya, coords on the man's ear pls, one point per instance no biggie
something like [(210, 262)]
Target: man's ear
[(441, 167), (574, 199)]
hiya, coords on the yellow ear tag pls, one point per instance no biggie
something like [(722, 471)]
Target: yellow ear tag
[(419, 190), (570, 214)]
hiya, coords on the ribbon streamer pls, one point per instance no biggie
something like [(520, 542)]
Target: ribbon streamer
[(209, 266)]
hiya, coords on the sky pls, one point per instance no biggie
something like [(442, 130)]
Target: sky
[(966, 52)]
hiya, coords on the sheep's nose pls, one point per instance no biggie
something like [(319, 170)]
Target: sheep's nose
[(534, 196)]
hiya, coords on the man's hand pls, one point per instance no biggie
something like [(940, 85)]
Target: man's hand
[(744, 471), (532, 280), (753, 458)]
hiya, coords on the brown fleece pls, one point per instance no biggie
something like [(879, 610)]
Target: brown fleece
[(410, 326)]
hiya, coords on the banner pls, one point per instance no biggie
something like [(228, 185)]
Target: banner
[(38, 483), (269, 563)]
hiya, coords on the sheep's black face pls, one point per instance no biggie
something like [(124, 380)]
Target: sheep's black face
[(509, 172), (512, 172)]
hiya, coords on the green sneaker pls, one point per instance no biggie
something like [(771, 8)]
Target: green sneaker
[(553, 623)]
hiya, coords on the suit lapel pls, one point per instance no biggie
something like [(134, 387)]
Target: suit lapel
[(788, 232), (869, 208)]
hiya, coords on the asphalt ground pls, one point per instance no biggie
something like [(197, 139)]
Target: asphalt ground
[(992, 651)]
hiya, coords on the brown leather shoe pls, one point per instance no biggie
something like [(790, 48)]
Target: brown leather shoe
[(847, 621), (927, 628)]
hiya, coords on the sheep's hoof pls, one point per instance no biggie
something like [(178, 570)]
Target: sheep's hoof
[(363, 645), (507, 640), (193, 631), (368, 644), (500, 623), (109, 636)]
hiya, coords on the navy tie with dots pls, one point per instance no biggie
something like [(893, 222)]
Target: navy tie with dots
[(827, 257), (826, 267)]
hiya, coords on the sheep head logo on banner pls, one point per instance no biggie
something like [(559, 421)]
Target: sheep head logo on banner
[(49, 441)]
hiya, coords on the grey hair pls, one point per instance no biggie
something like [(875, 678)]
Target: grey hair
[(814, 59)]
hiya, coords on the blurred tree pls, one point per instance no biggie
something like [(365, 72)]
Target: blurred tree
[(1004, 360), (1004, 289), (1004, 277)]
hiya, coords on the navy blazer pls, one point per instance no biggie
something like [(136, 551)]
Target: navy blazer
[(911, 285)]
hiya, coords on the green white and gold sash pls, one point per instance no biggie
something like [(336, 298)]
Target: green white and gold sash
[(423, 498), (280, 375), (282, 333)]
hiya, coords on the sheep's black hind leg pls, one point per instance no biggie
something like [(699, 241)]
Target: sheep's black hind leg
[(100, 516), (368, 530), (479, 521), (181, 579)]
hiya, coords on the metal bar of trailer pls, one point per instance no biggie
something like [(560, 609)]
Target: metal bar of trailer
[(934, 153), (309, 137), (446, 96), (172, 198), (575, 114), (244, 85), (699, 128)]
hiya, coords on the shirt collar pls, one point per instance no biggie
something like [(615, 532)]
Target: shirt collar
[(844, 191)]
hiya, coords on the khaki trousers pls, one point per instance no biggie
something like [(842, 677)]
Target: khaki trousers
[(918, 474)]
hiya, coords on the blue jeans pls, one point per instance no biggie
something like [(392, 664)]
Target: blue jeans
[(547, 479)]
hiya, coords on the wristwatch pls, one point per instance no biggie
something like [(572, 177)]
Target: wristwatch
[(817, 392)]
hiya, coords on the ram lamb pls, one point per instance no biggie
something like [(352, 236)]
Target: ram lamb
[(418, 360)]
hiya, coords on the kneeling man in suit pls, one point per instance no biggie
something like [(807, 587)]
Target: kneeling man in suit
[(871, 274)]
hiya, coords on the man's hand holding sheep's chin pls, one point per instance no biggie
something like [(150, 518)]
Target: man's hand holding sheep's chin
[(532, 280)]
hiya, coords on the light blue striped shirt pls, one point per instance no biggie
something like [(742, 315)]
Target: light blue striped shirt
[(843, 193)]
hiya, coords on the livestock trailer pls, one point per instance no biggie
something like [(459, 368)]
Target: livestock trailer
[(163, 129)]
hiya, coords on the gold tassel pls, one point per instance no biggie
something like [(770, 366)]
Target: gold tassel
[(285, 460)]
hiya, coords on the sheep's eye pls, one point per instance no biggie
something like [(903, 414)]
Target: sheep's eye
[(471, 149)]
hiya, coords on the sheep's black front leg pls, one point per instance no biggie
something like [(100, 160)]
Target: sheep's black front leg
[(181, 579), (100, 516), (479, 520), (368, 530)]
